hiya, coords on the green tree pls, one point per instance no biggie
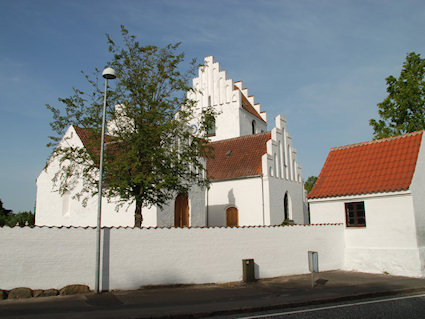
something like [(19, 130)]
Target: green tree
[(403, 110), (4, 211), (151, 154), (4, 214), (309, 183), (8, 218)]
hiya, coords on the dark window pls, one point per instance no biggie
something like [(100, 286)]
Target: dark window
[(355, 214), (211, 127), (253, 126)]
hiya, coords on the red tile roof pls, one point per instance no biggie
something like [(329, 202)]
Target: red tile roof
[(246, 105), (91, 141), (383, 165), (237, 157)]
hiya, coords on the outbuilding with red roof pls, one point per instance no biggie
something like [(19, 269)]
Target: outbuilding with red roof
[(376, 189)]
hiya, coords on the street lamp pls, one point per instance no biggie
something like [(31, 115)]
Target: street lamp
[(108, 74)]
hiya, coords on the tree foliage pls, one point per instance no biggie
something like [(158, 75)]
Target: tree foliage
[(151, 154), (403, 110), (309, 183), (7, 218)]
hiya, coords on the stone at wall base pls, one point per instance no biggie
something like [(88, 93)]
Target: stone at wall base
[(3, 294), (20, 293), (45, 293), (74, 290)]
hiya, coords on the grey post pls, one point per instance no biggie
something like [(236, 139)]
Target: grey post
[(108, 73), (313, 264)]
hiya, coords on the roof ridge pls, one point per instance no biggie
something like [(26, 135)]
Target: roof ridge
[(381, 140), (242, 137)]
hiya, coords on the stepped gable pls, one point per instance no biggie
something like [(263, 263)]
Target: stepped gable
[(237, 157), (383, 165), (217, 89)]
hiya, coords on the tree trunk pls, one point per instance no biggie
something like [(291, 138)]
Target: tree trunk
[(138, 217)]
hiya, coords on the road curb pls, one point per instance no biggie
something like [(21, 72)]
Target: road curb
[(289, 305)]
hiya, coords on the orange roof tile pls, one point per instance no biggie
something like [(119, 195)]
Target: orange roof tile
[(376, 166), (91, 141), (237, 157), (246, 105)]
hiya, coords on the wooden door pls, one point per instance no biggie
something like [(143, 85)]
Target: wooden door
[(232, 218), (181, 211)]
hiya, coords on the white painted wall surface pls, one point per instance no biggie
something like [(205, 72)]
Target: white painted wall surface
[(214, 89), (50, 204), (197, 210), (282, 174), (417, 188), (275, 192), (42, 258), (244, 194), (47, 257), (388, 242)]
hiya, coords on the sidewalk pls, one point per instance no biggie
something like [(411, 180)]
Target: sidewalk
[(197, 301)]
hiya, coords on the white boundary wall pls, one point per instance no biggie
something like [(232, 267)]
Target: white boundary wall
[(43, 257)]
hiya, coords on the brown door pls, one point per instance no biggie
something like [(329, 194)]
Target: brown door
[(232, 217), (181, 211)]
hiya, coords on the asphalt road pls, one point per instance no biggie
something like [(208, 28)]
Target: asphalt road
[(395, 307), (201, 301)]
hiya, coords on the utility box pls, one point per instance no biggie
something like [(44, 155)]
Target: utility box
[(248, 270)]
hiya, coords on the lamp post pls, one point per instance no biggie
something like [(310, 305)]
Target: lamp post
[(109, 74)]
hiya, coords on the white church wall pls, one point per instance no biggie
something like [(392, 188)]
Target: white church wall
[(244, 194), (55, 257), (387, 243), (246, 120), (227, 121), (197, 207), (197, 210), (52, 209), (150, 216), (277, 190), (282, 175)]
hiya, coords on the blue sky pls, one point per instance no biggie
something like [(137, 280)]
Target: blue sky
[(322, 64)]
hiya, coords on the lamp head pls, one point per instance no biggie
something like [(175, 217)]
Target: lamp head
[(109, 73)]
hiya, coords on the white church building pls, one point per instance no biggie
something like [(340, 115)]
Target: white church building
[(255, 175)]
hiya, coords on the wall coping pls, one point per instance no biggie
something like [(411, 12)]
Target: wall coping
[(169, 227)]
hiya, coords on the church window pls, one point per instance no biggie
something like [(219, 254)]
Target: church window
[(253, 126), (66, 203), (355, 215), (211, 127)]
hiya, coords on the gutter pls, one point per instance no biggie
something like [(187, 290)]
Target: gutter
[(235, 178)]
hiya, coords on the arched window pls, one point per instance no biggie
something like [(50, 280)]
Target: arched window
[(253, 126), (66, 203), (287, 207)]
